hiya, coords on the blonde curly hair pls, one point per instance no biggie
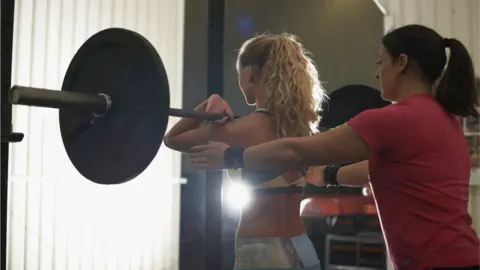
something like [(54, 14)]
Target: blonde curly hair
[(289, 80)]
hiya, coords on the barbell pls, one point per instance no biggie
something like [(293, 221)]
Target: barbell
[(113, 107)]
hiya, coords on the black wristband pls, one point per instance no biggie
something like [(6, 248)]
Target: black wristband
[(330, 175), (233, 157)]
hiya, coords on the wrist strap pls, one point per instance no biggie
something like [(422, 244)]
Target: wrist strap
[(330, 175), (233, 158)]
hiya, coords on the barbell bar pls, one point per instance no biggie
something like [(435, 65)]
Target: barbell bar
[(113, 106), (97, 104)]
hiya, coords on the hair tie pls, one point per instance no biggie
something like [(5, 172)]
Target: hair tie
[(447, 42)]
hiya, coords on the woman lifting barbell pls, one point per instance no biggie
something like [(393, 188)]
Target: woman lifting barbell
[(418, 158), (276, 75)]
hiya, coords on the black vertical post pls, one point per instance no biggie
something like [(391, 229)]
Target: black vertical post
[(213, 199), (7, 20), (201, 209)]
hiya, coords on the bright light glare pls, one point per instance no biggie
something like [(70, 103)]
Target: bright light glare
[(237, 195), (365, 191)]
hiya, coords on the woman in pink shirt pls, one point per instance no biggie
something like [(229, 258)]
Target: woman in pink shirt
[(417, 156)]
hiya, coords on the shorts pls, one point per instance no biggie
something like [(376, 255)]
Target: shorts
[(275, 253)]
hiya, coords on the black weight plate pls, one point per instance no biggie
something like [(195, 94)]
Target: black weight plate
[(120, 145), (348, 101), (344, 104)]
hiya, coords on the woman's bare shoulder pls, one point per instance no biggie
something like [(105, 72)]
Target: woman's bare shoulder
[(252, 129)]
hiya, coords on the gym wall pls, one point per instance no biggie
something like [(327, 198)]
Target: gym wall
[(342, 36), (57, 219), (454, 19)]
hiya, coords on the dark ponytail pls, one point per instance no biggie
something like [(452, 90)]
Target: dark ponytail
[(456, 90)]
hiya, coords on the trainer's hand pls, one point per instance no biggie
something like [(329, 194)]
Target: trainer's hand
[(208, 156), (315, 175)]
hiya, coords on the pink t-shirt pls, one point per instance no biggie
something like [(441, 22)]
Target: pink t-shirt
[(420, 174)]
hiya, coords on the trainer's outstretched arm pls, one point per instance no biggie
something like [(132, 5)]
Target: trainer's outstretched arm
[(336, 146)]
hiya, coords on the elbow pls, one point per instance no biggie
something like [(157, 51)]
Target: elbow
[(172, 143), (178, 143), (167, 141)]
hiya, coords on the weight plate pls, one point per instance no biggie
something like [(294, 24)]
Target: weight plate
[(348, 101), (344, 104), (119, 146)]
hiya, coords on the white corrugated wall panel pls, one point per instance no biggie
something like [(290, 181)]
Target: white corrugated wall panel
[(58, 219), (451, 18)]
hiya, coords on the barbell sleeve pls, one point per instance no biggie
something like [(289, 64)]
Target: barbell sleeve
[(46, 98)]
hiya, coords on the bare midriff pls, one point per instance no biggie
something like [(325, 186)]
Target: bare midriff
[(272, 216)]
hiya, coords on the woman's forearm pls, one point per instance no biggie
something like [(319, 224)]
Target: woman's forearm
[(353, 175), (272, 156), (185, 124)]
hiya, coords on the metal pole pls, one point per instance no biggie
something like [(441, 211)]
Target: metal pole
[(7, 19), (213, 199)]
